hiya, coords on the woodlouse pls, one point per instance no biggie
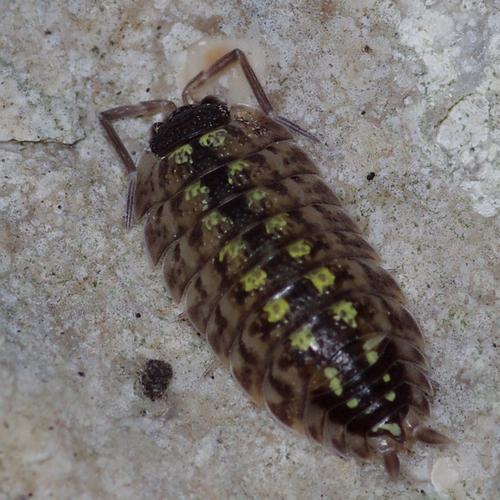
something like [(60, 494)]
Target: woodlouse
[(275, 274)]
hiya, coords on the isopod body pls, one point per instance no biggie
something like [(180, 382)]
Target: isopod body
[(275, 275)]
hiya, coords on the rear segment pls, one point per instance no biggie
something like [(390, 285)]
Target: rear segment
[(285, 289)]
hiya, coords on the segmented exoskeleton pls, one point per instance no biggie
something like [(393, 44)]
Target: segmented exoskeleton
[(275, 274)]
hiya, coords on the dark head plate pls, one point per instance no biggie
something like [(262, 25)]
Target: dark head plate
[(187, 122)]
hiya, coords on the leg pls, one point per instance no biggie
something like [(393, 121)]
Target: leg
[(220, 65), (108, 117), (142, 109)]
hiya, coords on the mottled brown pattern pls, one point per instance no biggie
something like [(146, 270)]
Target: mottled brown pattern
[(160, 178), (287, 276), (200, 243), (219, 276), (258, 336), (286, 291), (171, 219)]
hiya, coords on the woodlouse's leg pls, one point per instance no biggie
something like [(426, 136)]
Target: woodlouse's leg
[(220, 65), (391, 463), (145, 108)]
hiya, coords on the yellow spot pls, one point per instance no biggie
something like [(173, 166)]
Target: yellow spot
[(213, 139), (386, 378), (234, 168), (336, 386), (335, 383), (372, 342), (254, 279), (276, 223), (299, 249), (303, 339), (321, 278), (390, 396), (231, 250), (276, 310), (371, 357), (214, 219), (394, 429), (255, 196), (194, 190), (352, 403), (330, 372), (345, 311), (182, 155)]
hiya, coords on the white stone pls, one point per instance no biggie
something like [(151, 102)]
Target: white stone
[(407, 90), (444, 476)]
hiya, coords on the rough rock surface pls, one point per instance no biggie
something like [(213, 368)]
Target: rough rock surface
[(404, 93)]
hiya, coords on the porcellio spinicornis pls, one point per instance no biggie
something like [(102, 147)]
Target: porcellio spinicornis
[(275, 274)]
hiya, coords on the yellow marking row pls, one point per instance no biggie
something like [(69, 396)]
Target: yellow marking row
[(232, 250), (254, 279), (371, 357), (255, 196), (276, 223), (346, 312), (390, 396), (352, 403), (213, 139), (182, 155), (371, 354), (303, 339), (194, 190), (234, 168), (322, 278), (393, 428), (214, 219), (276, 310), (299, 249), (373, 342), (335, 384)]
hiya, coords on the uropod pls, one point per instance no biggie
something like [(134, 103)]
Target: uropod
[(274, 274)]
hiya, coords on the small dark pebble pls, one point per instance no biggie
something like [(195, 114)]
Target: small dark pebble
[(155, 378), (370, 176), (137, 315), (82, 374)]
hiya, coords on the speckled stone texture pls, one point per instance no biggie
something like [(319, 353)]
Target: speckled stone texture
[(405, 98)]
